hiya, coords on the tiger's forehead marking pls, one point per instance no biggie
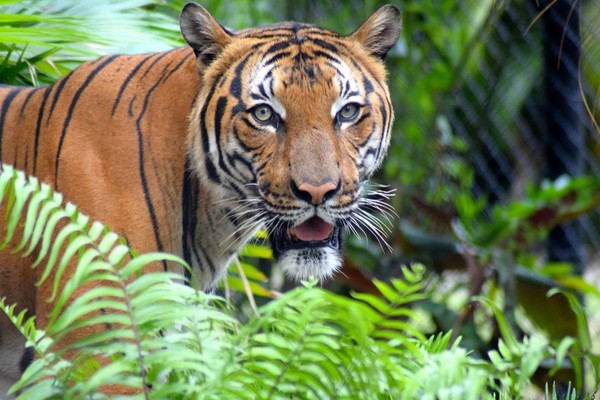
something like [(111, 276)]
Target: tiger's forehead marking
[(299, 57), (290, 30)]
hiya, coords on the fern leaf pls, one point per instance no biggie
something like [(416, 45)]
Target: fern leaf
[(54, 244), (21, 192), (52, 202), (47, 230), (6, 178), (32, 215)]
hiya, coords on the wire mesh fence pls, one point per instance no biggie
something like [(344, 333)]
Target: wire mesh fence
[(516, 80), (538, 122)]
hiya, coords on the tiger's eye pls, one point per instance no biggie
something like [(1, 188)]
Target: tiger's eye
[(348, 112), (263, 113)]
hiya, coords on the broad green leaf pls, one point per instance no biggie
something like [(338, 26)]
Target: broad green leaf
[(253, 250), (237, 284)]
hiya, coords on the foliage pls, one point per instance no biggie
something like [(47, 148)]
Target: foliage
[(40, 41), (443, 223), (309, 343)]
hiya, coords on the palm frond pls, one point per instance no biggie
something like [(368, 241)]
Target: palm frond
[(42, 41)]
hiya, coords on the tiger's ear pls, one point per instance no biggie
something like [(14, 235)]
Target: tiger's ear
[(381, 31), (202, 32)]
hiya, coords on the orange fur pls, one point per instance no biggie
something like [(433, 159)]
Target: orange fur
[(166, 148)]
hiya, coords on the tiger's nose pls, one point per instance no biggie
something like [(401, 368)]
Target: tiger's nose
[(315, 194)]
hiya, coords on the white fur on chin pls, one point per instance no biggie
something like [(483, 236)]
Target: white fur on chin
[(321, 263)]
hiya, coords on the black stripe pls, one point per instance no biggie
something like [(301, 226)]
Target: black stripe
[(345, 88), (29, 95), (315, 30), (209, 261), (249, 123), (67, 122), (360, 69), (160, 57), (213, 175), (384, 127), (246, 148), (59, 88), (277, 47), (219, 112), (142, 171), (264, 164), (4, 111), (130, 108), (367, 84), (16, 151), (237, 189), (38, 127), (357, 147), (277, 57), (364, 142), (326, 45), (271, 81), (327, 56), (283, 35), (177, 66), (362, 118), (371, 151), (236, 157), (256, 96), (235, 220), (261, 88), (26, 163), (289, 28), (292, 29), (126, 82), (235, 88), (333, 65), (209, 165), (198, 246), (189, 214), (26, 359)]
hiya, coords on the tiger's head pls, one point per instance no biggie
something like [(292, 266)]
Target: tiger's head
[(290, 122)]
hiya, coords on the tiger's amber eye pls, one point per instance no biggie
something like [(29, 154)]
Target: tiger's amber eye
[(348, 112), (263, 113)]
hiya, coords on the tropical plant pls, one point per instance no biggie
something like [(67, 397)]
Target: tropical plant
[(171, 341), (442, 221), (40, 41)]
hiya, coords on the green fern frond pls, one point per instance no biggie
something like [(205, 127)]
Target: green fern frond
[(35, 338), (171, 341), (391, 314), (137, 308)]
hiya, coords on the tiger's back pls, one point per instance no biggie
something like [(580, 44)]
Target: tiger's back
[(191, 151), (111, 137)]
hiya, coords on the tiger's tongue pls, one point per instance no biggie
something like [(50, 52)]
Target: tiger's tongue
[(312, 229)]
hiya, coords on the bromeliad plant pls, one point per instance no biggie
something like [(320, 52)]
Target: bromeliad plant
[(171, 341)]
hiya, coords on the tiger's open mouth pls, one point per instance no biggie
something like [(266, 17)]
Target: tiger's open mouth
[(312, 233)]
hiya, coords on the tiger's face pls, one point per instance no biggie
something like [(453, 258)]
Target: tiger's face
[(290, 123)]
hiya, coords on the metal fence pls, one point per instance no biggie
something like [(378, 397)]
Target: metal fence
[(552, 132), (526, 109)]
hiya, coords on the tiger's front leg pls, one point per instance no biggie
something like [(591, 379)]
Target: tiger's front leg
[(16, 288), (13, 355)]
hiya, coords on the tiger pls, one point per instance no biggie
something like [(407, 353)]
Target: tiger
[(191, 151)]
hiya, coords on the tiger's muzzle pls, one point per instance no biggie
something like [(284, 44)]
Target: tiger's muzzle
[(314, 232)]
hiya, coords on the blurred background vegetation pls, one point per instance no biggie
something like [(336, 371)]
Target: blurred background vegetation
[(495, 156)]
